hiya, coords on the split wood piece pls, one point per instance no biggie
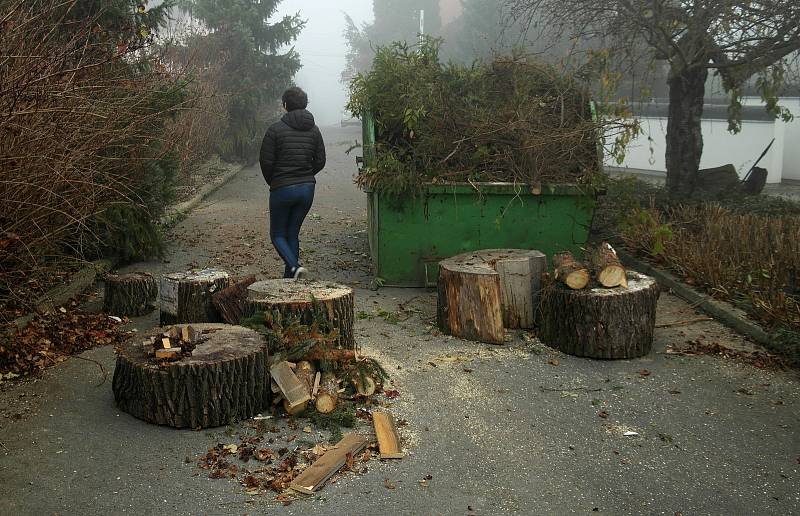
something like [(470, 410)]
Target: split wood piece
[(186, 297), (315, 476), (299, 297), (291, 387), (225, 379), (317, 379), (483, 293), (600, 322), (570, 272), (131, 294), (388, 438), (327, 394), (189, 334), (168, 353), (230, 301), (606, 266)]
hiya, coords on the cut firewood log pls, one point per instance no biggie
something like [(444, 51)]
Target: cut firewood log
[(291, 387), (331, 355), (600, 322), (131, 294), (365, 386), (315, 476), (186, 297), (386, 433), (305, 372), (296, 410), (230, 301), (606, 266), (327, 394), (485, 292), (333, 303), (224, 379), (571, 272)]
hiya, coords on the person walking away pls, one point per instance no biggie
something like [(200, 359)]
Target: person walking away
[(292, 153)]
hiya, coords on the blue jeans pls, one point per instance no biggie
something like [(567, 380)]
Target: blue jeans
[(288, 207)]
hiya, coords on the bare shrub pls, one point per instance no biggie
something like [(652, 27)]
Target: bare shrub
[(82, 114)]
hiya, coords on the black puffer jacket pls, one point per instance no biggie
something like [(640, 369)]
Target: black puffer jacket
[(292, 151)]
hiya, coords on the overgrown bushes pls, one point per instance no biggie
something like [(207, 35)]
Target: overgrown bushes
[(744, 251), (85, 164), (513, 120)]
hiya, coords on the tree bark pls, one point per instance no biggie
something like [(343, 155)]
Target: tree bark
[(186, 297), (483, 293), (130, 294), (684, 129), (225, 379), (334, 303), (601, 323)]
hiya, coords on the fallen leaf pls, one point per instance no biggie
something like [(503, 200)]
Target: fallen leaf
[(391, 394), (387, 484), (644, 373), (602, 414), (553, 362), (307, 429)]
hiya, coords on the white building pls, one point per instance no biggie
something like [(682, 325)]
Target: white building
[(721, 147)]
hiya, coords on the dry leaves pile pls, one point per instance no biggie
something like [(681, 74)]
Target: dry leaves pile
[(50, 338), (261, 469)]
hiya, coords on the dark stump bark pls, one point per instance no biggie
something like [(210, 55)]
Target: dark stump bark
[(601, 322), (226, 378), (303, 299), (130, 294), (186, 297)]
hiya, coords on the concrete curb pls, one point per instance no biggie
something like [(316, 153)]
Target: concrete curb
[(725, 313), (179, 212), (79, 282), (86, 277)]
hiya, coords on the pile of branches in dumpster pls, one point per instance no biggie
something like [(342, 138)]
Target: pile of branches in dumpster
[(512, 120)]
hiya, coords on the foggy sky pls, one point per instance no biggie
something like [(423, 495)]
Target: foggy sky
[(322, 51)]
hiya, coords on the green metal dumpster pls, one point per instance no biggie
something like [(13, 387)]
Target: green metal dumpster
[(409, 235)]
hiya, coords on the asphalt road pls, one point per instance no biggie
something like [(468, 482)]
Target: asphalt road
[(497, 429)]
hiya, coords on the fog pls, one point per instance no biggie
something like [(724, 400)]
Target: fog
[(322, 50)]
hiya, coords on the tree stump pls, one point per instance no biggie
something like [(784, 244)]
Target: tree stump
[(226, 378), (334, 303), (186, 297), (131, 294), (601, 322), (483, 293)]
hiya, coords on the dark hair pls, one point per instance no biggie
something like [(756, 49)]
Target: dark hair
[(294, 98)]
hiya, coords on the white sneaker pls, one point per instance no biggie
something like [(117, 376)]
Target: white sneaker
[(300, 273)]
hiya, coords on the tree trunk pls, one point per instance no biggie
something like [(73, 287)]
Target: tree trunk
[(684, 130), (481, 294), (130, 294), (186, 297), (601, 323), (333, 302), (225, 379)]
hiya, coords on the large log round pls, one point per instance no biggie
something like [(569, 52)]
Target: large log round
[(224, 379), (132, 294), (601, 322), (485, 292), (186, 297), (298, 298)]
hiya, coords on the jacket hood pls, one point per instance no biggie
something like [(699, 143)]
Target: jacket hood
[(299, 119)]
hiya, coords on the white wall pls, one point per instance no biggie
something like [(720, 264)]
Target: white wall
[(720, 147)]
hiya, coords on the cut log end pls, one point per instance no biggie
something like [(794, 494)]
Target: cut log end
[(570, 271), (365, 387), (325, 403), (613, 276)]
